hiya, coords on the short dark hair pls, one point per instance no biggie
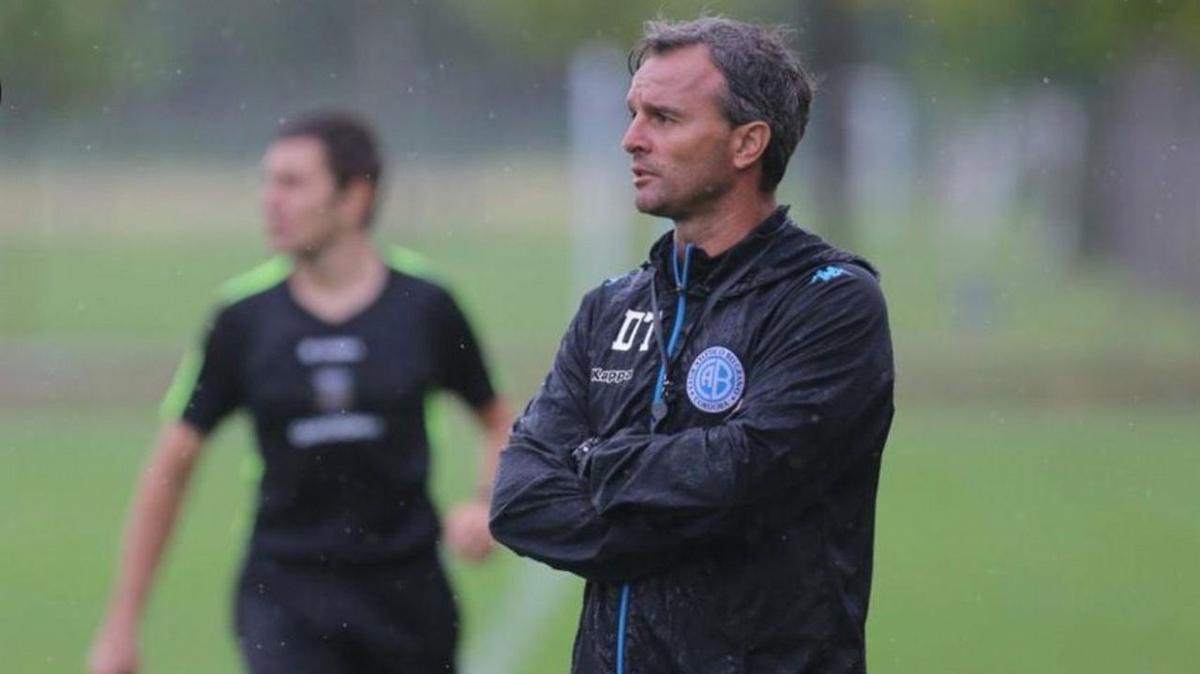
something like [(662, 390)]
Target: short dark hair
[(351, 150), (764, 80)]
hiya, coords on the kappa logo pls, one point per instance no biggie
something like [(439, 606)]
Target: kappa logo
[(600, 376), (716, 380), (635, 323), (827, 274)]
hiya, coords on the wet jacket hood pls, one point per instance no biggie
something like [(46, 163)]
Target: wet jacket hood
[(776, 249)]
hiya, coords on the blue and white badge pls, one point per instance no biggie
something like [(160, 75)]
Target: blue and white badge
[(716, 380)]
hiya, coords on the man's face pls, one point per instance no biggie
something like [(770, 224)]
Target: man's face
[(680, 140), (300, 198)]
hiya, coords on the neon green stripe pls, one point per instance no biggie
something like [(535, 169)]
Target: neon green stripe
[(256, 280), (239, 287), (409, 262), (277, 268), (180, 390)]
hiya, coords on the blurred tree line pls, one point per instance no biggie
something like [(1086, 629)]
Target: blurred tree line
[(461, 75), (59, 53)]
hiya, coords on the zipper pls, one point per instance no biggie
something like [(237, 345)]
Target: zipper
[(657, 412)]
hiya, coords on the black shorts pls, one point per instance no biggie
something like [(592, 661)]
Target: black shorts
[(299, 618)]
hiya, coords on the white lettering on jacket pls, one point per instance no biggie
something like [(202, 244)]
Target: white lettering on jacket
[(634, 323)]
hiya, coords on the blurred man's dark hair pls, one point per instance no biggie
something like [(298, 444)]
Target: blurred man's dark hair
[(351, 149), (764, 81)]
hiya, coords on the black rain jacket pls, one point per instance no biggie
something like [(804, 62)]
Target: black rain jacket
[(736, 536)]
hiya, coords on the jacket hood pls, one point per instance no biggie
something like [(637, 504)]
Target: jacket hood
[(775, 250)]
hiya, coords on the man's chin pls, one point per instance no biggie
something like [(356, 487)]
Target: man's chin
[(651, 206)]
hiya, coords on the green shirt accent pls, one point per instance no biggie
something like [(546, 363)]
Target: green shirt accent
[(266, 275), (262, 277)]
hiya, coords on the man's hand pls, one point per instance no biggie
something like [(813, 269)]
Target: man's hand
[(467, 532), (115, 651), (578, 459)]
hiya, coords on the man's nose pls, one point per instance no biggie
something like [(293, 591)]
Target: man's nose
[(634, 141)]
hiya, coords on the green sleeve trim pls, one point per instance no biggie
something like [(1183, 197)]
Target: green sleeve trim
[(276, 269), (237, 288), (182, 384), (256, 280), (410, 262)]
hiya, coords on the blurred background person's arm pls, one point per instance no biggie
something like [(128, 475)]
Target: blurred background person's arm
[(467, 524), (160, 493)]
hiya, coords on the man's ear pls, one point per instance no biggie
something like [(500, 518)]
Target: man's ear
[(356, 200), (750, 141)]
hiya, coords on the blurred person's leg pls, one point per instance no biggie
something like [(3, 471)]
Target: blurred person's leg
[(283, 625), (408, 620), (376, 618)]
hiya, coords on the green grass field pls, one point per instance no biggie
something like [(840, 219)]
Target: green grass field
[(1038, 508)]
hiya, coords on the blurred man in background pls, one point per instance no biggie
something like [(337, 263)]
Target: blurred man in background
[(706, 448), (333, 349)]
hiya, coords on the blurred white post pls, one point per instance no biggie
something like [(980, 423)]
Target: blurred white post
[(1053, 167), (602, 194), (881, 133), (979, 183)]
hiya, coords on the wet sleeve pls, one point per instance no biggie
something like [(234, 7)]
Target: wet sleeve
[(461, 366), (818, 398), (207, 384), (541, 509)]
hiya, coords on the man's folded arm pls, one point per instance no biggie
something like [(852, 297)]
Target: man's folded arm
[(820, 378), (542, 509)]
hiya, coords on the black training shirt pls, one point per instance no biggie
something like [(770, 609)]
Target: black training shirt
[(338, 412)]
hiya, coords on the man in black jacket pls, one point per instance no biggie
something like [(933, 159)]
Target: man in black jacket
[(706, 449)]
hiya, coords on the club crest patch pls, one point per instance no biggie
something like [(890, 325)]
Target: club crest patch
[(716, 380)]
